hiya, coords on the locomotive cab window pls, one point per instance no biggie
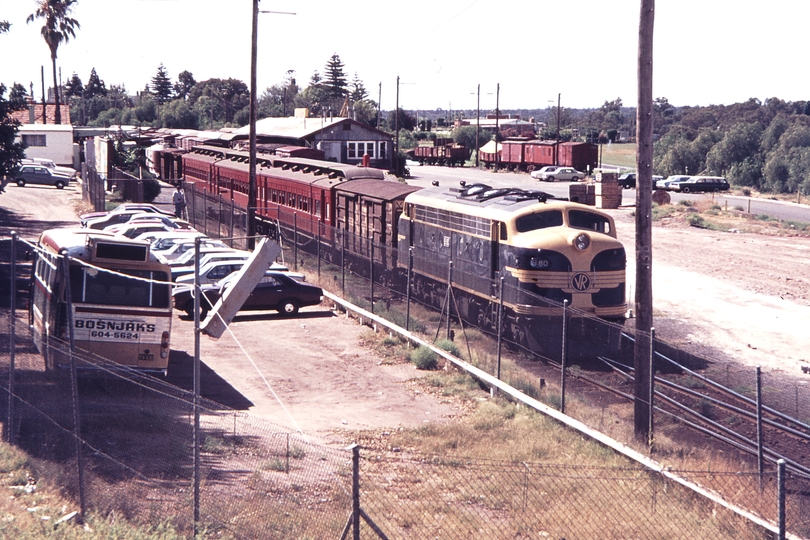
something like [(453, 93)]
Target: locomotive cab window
[(539, 220), (589, 221)]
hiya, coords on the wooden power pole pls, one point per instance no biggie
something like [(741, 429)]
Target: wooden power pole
[(644, 154)]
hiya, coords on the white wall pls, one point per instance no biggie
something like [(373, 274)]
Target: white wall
[(58, 142)]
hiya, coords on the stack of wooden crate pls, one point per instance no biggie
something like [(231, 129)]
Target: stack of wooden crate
[(608, 190)]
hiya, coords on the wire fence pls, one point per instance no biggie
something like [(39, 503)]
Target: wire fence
[(122, 442)]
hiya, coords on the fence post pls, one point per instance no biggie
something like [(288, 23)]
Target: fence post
[(500, 327), (219, 217), (295, 241), (343, 263), (780, 482), (356, 491), (371, 270), (408, 291), (449, 296), (74, 384), (651, 392), (11, 339), (319, 248), (760, 458), (196, 384), (205, 211), (564, 355), (230, 232)]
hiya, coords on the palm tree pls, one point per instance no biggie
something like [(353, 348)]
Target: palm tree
[(58, 27)]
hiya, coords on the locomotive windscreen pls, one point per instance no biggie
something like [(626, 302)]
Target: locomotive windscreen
[(589, 221), (539, 220)]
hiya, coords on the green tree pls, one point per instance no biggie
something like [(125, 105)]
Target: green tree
[(358, 90), (740, 143), (336, 77), (11, 150), (58, 27), (365, 111), (231, 96), (466, 135), (94, 86), (185, 82), (279, 99), (74, 87), (5, 26), (162, 85), (314, 97), (177, 114), (406, 121)]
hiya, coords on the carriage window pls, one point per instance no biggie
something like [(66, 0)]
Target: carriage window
[(317, 207), (539, 220), (90, 286), (589, 221)]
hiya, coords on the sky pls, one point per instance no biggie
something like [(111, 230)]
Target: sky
[(582, 52)]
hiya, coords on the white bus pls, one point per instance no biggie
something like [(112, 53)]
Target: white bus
[(119, 301)]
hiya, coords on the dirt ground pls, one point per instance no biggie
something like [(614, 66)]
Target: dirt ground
[(742, 294)]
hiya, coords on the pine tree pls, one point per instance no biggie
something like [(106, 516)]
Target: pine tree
[(74, 87), (336, 77), (162, 85), (359, 91), (94, 86)]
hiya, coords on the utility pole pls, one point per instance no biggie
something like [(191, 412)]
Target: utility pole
[(644, 154), (557, 146), (497, 121), (477, 125), (396, 137), (251, 209)]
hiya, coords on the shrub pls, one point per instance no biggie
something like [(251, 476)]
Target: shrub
[(685, 202), (746, 192), (695, 220), (449, 346), (424, 358)]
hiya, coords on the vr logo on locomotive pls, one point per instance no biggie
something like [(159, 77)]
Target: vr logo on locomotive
[(580, 282)]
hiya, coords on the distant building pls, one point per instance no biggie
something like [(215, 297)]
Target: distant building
[(341, 139), (503, 122)]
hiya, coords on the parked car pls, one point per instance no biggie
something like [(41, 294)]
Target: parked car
[(42, 176), (276, 291), (702, 184), (50, 164), (667, 182), (563, 173), (628, 180), (538, 174), (180, 250), (208, 257), (139, 207)]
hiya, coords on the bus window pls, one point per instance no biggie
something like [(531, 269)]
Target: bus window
[(91, 286), (588, 220)]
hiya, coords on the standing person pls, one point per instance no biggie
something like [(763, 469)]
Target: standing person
[(179, 200)]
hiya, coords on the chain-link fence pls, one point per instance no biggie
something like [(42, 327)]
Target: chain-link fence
[(121, 441)]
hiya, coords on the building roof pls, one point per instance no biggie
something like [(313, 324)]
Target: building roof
[(299, 128), (25, 117)]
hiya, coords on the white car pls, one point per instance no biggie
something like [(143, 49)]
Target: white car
[(50, 164), (538, 174), (562, 173)]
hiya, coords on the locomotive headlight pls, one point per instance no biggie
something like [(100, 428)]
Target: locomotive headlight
[(582, 241)]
